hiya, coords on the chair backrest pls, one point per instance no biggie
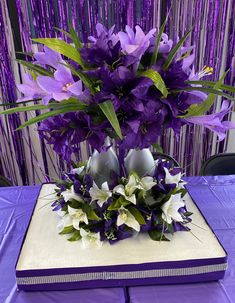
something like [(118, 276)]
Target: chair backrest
[(4, 182), (221, 164), (165, 157)]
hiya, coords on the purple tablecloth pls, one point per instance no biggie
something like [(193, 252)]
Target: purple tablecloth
[(215, 196)]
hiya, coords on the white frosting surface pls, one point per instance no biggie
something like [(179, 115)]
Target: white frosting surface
[(43, 248)]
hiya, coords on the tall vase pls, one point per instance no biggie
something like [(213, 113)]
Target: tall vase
[(102, 165), (140, 161)]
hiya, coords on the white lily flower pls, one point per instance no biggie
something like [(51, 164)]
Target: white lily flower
[(126, 217), (64, 222), (89, 238), (77, 216), (128, 190), (147, 183), (170, 179), (70, 194), (170, 209), (101, 195)]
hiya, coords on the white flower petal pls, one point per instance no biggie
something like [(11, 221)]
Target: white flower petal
[(132, 222), (170, 179), (131, 198), (120, 220), (147, 183)]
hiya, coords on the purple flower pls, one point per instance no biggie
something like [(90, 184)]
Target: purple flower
[(48, 57), (103, 32), (135, 43), (62, 86), (31, 90), (214, 121), (165, 44)]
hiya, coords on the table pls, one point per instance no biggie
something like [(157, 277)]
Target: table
[(214, 195)]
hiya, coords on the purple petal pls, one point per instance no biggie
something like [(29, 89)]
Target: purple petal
[(49, 84), (76, 88), (63, 74), (61, 96)]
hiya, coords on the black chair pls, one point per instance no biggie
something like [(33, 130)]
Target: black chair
[(221, 164), (4, 182), (166, 157)]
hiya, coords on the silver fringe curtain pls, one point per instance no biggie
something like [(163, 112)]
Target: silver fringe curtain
[(24, 158)]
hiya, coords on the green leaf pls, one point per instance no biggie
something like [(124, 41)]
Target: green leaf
[(211, 83), (116, 204), (62, 47), (174, 51), (91, 215), (62, 31), (206, 90), (170, 228), (67, 230), (40, 70), (75, 237), (200, 109), (17, 103), (53, 105), (158, 40), (157, 235), (53, 113), (137, 214), (187, 214), (108, 110), (78, 44), (157, 147), (157, 81)]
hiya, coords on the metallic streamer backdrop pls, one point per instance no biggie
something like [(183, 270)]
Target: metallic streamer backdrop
[(23, 156)]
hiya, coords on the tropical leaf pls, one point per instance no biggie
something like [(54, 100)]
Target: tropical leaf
[(40, 70), (73, 35), (137, 214), (174, 51), (200, 109), (109, 112), (157, 235), (157, 81), (205, 90), (67, 230), (62, 31), (158, 40), (211, 83), (62, 47), (75, 237), (63, 110)]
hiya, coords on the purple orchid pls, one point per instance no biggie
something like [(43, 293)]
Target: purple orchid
[(135, 43), (48, 57), (214, 121), (62, 86), (31, 90)]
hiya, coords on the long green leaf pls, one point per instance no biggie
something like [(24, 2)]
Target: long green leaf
[(137, 214), (200, 109), (49, 114), (75, 237), (211, 83), (108, 110), (40, 70), (78, 44), (174, 51), (62, 31), (157, 81), (17, 103), (62, 47), (158, 40), (52, 105), (205, 90)]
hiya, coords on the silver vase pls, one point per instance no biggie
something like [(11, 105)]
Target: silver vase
[(141, 161), (102, 165)]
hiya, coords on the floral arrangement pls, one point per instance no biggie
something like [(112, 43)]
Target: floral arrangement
[(127, 206), (127, 85)]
